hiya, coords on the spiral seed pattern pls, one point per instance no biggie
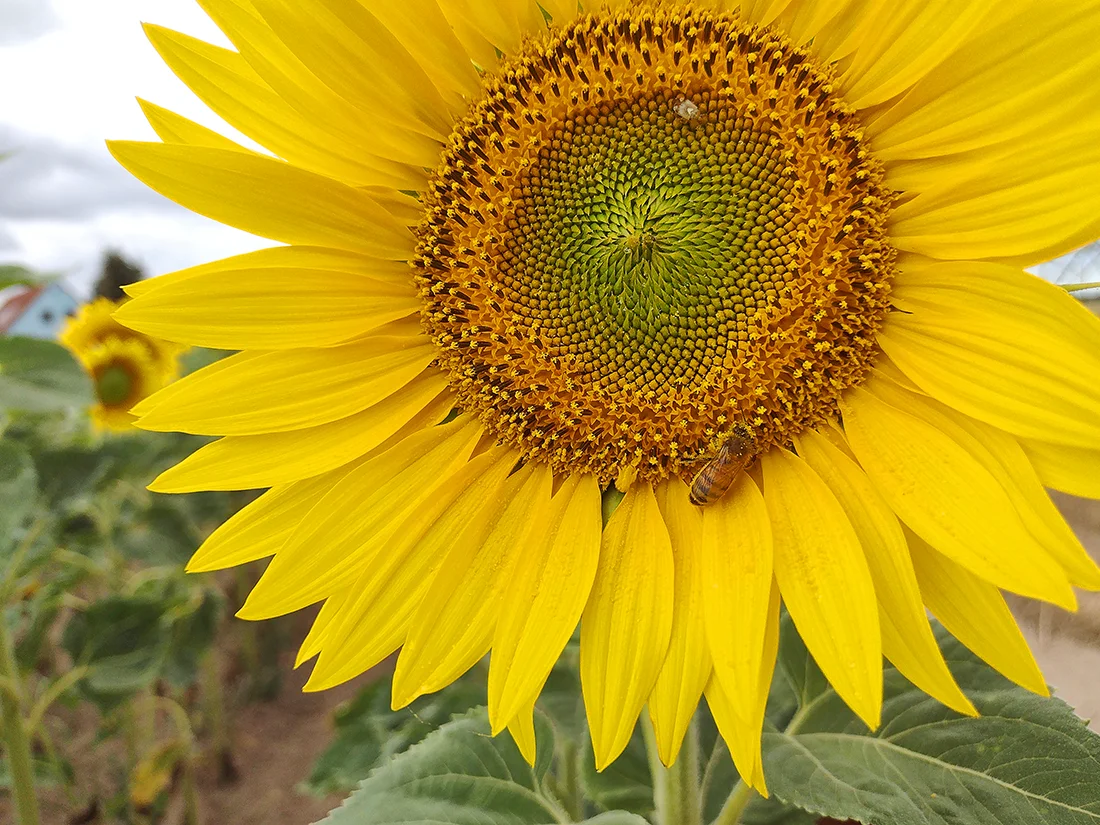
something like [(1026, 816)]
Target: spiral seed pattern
[(655, 226)]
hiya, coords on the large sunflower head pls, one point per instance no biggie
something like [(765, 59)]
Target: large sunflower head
[(754, 263)]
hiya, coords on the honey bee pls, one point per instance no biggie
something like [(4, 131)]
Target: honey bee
[(716, 476)]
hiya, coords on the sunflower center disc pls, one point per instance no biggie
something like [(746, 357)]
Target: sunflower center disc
[(655, 227), (114, 385)]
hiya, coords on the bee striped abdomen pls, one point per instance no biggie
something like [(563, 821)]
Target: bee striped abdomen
[(718, 474)]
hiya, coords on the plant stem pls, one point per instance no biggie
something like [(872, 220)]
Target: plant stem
[(572, 791), (15, 736), (214, 705), (735, 806), (742, 794), (675, 790)]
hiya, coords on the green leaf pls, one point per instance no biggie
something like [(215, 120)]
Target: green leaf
[(40, 376), (159, 535), (191, 636), (626, 783), (802, 675), (122, 640), (459, 775), (18, 491), (1027, 759), (369, 733)]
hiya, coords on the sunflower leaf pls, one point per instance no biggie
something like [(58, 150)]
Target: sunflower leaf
[(461, 775), (1026, 759), (40, 376)]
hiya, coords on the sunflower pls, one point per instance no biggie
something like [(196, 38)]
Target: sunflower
[(763, 254), (126, 366), (93, 325), (123, 372)]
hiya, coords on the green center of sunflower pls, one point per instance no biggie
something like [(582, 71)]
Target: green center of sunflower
[(114, 385), (657, 228)]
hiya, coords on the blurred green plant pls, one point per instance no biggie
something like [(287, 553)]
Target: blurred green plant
[(96, 607)]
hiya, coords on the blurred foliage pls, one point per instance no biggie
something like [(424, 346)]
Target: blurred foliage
[(97, 611)]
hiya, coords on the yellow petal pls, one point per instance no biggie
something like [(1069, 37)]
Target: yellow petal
[(561, 11), (255, 264), (453, 627), (496, 23), (737, 576), (825, 582), (687, 665), (907, 639), (423, 29), (975, 613), (845, 32), (357, 517), (1011, 206), (1068, 469), (290, 390), (550, 586), (1002, 457), (997, 88), (276, 308), (803, 21), (761, 12), (947, 497), (996, 291), (910, 40), (999, 386), (166, 394), (248, 191), (225, 82), (627, 622), (247, 462), (262, 527), (366, 133), (375, 621), (1001, 346), (347, 48), (742, 735), (322, 627), (173, 128), (522, 728)]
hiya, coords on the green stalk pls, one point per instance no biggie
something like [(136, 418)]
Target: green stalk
[(214, 706), (735, 805), (15, 735), (742, 794), (676, 796)]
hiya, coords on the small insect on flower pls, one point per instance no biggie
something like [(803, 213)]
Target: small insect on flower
[(718, 474), (687, 110)]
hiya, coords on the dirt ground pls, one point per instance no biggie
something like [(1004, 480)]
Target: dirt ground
[(274, 747)]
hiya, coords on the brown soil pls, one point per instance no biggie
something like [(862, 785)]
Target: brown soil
[(274, 746)]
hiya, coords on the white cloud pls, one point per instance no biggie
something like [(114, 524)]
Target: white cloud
[(24, 20), (63, 198)]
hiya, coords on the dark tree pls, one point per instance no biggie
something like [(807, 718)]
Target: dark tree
[(116, 273)]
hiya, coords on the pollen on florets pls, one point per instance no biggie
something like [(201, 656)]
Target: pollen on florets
[(654, 227)]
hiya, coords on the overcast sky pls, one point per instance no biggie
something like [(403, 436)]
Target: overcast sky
[(70, 71)]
